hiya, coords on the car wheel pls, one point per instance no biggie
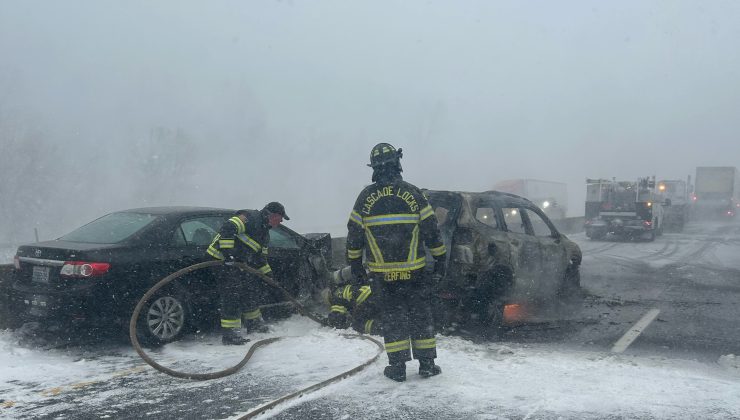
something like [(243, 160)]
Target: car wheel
[(164, 318)]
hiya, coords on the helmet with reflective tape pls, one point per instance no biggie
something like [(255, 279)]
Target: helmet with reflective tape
[(384, 153)]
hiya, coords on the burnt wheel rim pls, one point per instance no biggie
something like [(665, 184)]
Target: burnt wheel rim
[(165, 318)]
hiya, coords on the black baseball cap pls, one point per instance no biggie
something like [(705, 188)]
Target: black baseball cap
[(277, 208)]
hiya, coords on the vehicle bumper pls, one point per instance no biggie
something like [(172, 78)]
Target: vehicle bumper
[(43, 305)]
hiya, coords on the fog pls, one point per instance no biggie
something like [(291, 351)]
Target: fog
[(107, 105)]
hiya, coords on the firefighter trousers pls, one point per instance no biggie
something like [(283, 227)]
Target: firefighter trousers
[(241, 294), (408, 326)]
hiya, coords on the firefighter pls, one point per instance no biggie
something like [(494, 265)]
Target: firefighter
[(243, 238), (355, 306), (391, 222)]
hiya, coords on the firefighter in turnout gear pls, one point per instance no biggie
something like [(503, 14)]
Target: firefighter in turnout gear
[(354, 305), (243, 238), (391, 222)]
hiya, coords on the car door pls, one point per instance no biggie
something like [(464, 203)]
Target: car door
[(284, 257), (188, 244), (446, 207), (526, 253), (554, 259)]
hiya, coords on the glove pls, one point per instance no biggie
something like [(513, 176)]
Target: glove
[(358, 272), (337, 320), (440, 267)]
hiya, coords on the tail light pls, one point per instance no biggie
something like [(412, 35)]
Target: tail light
[(647, 223), (17, 262), (83, 269)]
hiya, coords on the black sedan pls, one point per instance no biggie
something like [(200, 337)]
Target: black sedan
[(95, 275)]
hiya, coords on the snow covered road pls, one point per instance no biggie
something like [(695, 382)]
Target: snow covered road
[(562, 364)]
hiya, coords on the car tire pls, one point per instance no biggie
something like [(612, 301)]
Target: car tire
[(164, 318)]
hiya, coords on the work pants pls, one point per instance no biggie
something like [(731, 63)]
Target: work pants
[(241, 294), (408, 325)]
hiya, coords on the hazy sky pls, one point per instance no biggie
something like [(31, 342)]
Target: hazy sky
[(284, 99)]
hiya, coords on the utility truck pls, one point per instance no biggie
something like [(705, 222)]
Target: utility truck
[(628, 209)]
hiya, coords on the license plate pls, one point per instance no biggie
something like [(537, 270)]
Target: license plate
[(40, 274)]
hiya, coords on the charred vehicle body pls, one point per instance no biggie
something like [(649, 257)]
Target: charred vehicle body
[(623, 208), (502, 249), (94, 276)]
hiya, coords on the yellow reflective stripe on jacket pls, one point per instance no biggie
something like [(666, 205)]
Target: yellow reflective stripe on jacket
[(354, 254), (231, 323), (369, 326), (374, 249), (215, 253), (425, 344), (355, 217), (426, 212), (240, 228), (440, 250), (384, 267), (225, 243), (252, 314), (414, 246), (339, 308), (397, 346), (347, 293), (364, 294), (265, 269), (249, 242), (264, 250), (390, 219)]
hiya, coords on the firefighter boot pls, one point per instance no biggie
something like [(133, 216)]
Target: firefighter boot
[(397, 372), (427, 368), (256, 325), (231, 337)]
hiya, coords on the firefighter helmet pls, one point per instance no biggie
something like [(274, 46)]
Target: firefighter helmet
[(384, 153)]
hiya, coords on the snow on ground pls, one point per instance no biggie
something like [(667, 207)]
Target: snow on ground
[(493, 380)]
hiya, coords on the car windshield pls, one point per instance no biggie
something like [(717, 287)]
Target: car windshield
[(110, 229)]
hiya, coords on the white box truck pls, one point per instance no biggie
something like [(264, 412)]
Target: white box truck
[(716, 192)]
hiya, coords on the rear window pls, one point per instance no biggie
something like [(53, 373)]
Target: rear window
[(110, 229)]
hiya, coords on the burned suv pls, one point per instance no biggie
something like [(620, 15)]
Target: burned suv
[(502, 249)]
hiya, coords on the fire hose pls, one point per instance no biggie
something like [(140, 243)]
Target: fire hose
[(258, 344)]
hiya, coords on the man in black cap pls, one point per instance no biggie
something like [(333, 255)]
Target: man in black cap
[(243, 238)]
